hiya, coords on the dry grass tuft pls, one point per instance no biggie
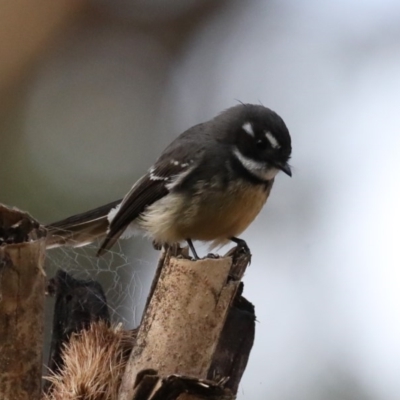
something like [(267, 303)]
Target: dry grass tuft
[(94, 361)]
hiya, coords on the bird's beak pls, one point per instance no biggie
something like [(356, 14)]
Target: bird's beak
[(286, 169)]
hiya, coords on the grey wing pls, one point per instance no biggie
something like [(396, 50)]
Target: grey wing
[(177, 160), (150, 188), (145, 192)]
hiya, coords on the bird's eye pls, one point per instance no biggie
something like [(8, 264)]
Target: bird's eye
[(261, 144)]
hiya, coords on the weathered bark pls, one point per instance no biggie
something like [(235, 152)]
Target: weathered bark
[(184, 318), (22, 291), (150, 386), (235, 343)]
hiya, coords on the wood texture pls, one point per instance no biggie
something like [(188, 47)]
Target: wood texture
[(184, 318), (22, 290)]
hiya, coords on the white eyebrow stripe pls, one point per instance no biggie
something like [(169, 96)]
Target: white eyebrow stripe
[(248, 128), (272, 139)]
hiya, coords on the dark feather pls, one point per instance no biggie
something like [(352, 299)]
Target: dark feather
[(150, 188), (80, 229), (84, 217)]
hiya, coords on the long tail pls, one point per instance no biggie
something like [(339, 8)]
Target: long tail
[(81, 229)]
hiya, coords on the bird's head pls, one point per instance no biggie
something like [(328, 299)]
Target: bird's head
[(260, 140)]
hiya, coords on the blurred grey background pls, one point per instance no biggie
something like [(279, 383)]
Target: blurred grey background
[(92, 91)]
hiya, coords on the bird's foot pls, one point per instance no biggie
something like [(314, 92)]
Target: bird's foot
[(242, 249), (241, 244), (157, 245), (212, 255)]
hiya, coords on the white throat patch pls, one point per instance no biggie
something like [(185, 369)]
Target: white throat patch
[(257, 168)]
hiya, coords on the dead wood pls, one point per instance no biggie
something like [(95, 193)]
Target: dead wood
[(22, 291)]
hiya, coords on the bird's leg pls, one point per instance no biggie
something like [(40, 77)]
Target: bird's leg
[(157, 245), (241, 243), (193, 250)]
